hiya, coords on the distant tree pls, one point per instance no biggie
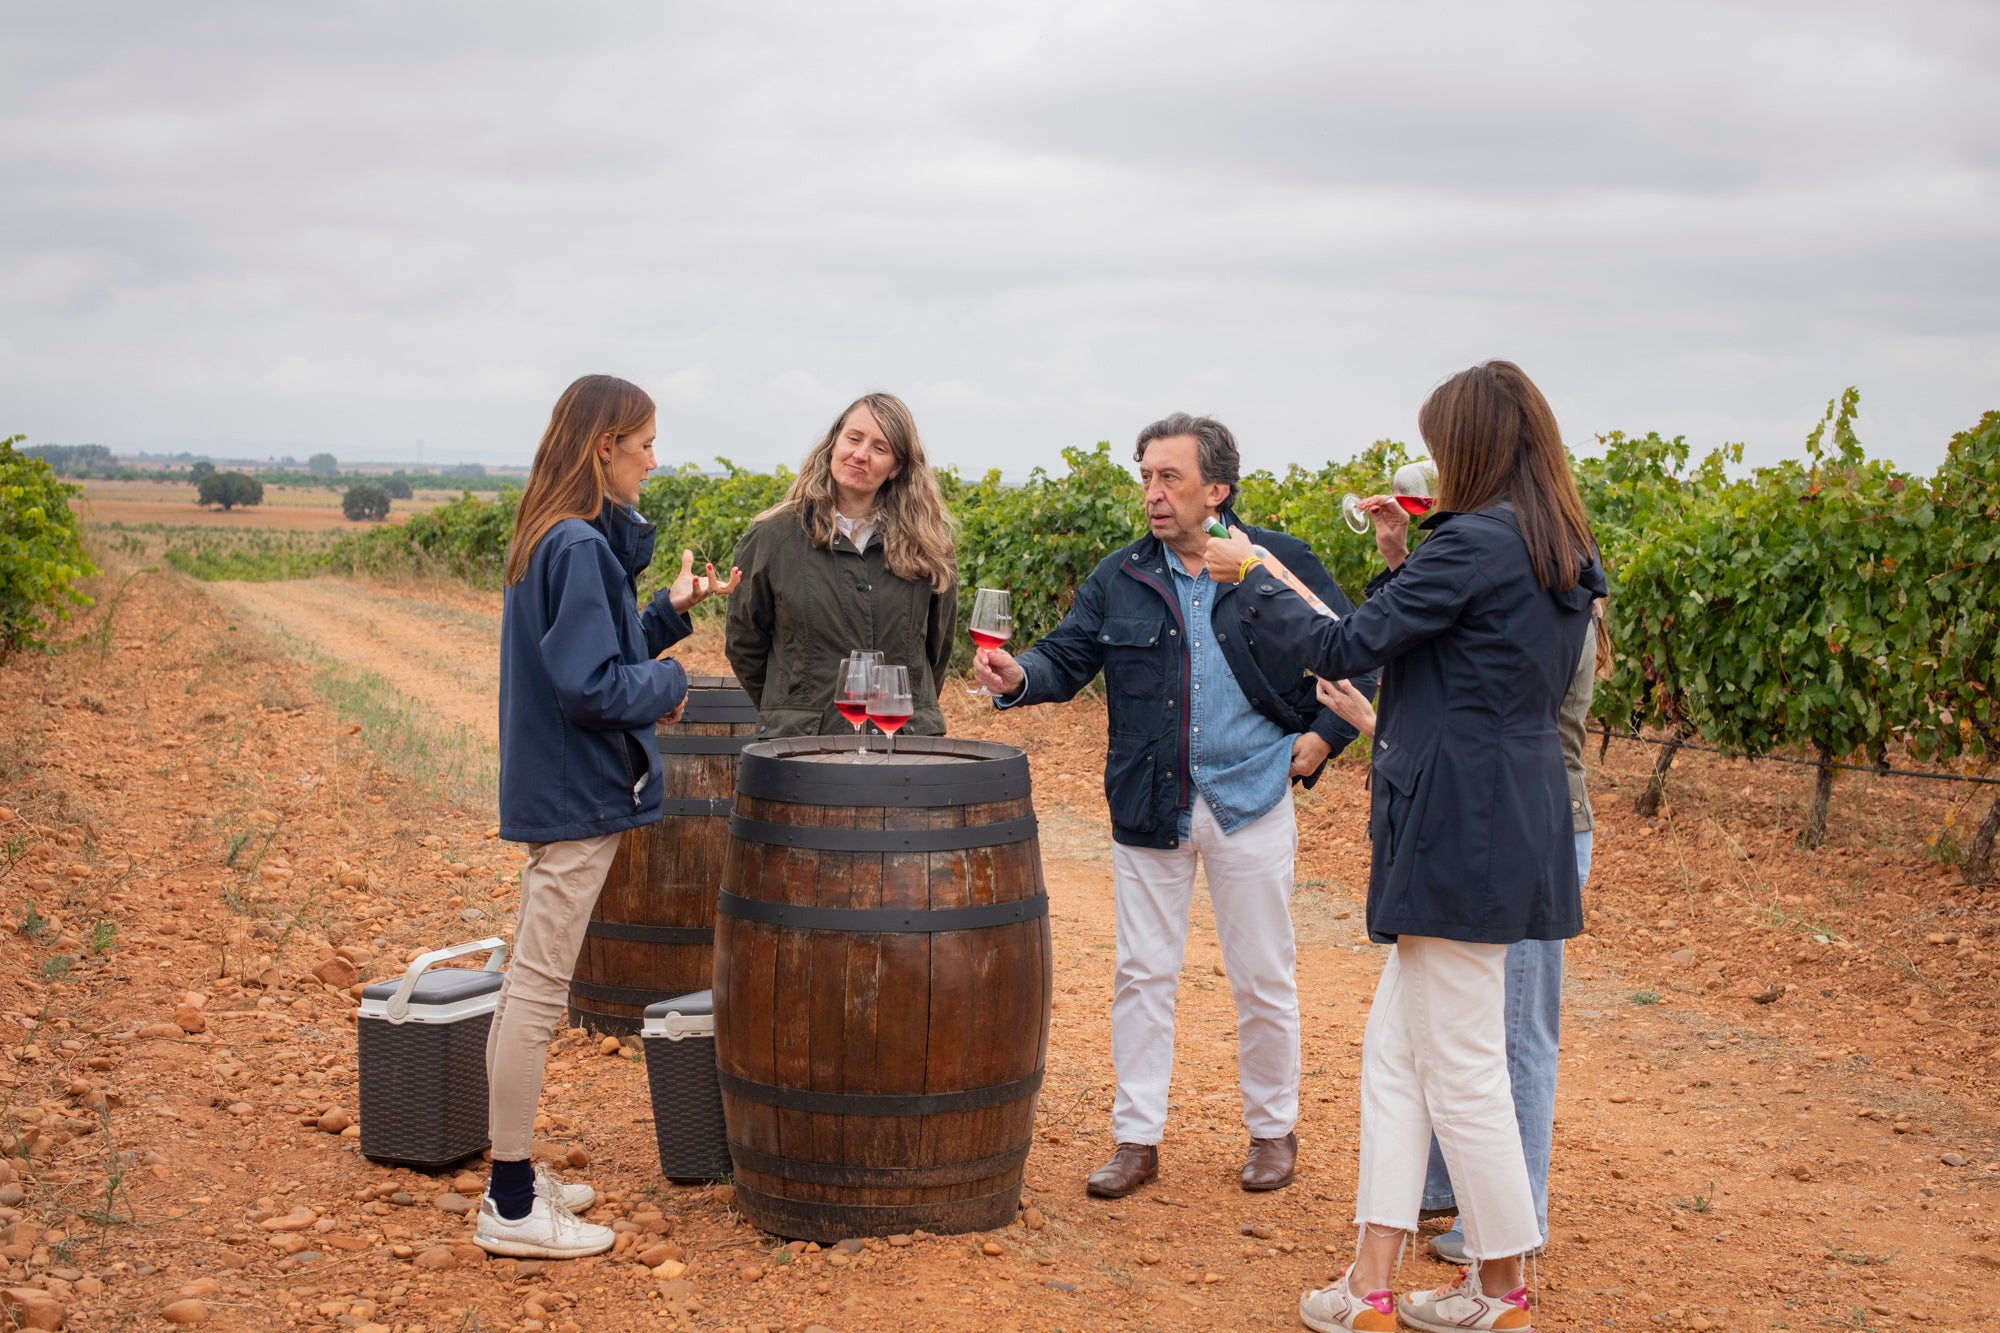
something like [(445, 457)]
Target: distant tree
[(324, 465), (198, 471), (398, 487), (365, 501), (230, 489), (66, 459), (466, 470)]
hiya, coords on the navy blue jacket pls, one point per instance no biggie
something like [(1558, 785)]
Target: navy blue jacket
[(1126, 622), (580, 689), (1470, 818)]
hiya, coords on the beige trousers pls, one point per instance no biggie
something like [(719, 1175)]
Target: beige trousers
[(559, 887)]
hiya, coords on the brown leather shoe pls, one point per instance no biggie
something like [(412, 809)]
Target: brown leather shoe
[(1270, 1163), (1133, 1165)]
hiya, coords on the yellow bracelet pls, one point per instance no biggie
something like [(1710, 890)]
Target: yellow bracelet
[(1243, 571)]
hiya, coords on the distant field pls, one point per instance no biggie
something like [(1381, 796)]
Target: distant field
[(295, 508)]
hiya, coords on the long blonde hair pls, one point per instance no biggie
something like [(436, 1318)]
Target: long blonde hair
[(914, 528), (567, 478)]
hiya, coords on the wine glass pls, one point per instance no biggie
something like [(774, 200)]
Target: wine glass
[(1414, 488), (992, 623), (889, 701), (850, 697)]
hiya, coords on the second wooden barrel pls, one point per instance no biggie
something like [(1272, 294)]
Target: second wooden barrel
[(882, 986), (652, 935)]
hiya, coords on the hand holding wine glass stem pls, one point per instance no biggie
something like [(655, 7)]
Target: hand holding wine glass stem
[(1392, 528), (996, 669)]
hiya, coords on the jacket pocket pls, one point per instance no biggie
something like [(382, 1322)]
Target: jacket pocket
[(1135, 671), (1397, 777), (1129, 780)]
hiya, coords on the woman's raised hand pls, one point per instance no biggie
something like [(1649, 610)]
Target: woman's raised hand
[(1348, 704), (688, 591), (1226, 555), (1392, 528)]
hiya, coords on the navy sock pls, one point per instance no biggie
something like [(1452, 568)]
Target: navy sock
[(512, 1188)]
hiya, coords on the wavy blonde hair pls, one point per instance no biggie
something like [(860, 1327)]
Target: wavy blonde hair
[(913, 525), (566, 479)]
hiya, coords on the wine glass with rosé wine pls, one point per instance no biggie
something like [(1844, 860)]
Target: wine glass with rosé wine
[(850, 698), (992, 623), (889, 701), (1414, 489)]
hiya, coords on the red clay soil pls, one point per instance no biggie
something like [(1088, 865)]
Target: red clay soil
[(1775, 1107)]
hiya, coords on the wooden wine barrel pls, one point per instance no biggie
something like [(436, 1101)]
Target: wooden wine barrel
[(652, 935), (882, 986)]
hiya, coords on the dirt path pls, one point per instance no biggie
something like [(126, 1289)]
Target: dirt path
[(1825, 1159), (443, 654)]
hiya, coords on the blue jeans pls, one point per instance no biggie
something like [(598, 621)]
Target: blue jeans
[(1534, 1030)]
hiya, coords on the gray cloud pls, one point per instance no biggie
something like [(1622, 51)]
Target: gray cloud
[(361, 225)]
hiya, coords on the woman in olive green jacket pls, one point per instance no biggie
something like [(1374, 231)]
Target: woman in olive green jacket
[(857, 555)]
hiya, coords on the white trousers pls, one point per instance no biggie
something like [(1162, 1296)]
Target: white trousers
[(1250, 886), (1435, 1060)]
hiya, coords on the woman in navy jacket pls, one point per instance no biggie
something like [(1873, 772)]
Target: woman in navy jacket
[(1476, 634), (582, 685)]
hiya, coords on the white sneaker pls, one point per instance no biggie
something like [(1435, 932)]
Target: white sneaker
[(577, 1198), (1335, 1309), (1461, 1304), (547, 1232)]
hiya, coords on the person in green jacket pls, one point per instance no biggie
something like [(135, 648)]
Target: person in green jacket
[(858, 554)]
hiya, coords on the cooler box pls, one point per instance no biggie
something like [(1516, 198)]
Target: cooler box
[(423, 1059), (679, 1038)]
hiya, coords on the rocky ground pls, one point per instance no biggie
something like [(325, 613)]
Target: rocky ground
[(221, 810)]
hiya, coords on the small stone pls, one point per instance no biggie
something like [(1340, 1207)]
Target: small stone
[(451, 1201), (185, 1312), (1685, 957), (204, 1286), (724, 1195), (162, 1032), (578, 1157), (852, 1245), (189, 1020), (1620, 1097), (31, 1307), (669, 1270), (655, 1255), (335, 1120), (1148, 1257), (437, 1257), (818, 1328), (469, 1182), (1952, 1159), (1032, 1219), (299, 1219), (1802, 1172), (1262, 1232), (993, 1247), (337, 972), (898, 1241), (610, 1046)]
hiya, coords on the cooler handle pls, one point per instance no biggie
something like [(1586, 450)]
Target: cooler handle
[(398, 1008)]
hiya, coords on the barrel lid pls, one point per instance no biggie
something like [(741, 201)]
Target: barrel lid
[(925, 771), (446, 985)]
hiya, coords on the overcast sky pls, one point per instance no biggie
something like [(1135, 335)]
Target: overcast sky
[(279, 228)]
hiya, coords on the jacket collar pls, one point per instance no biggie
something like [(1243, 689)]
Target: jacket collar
[(631, 536)]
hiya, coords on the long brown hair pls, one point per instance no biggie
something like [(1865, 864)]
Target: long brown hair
[(914, 527), (1494, 438), (567, 477)]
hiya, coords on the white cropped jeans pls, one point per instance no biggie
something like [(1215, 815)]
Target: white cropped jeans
[(1435, 1060)]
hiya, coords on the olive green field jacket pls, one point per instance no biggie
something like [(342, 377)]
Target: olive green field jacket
[(801, 609)]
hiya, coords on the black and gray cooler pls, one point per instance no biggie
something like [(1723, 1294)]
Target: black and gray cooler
[(423, 1059), (679, 1039)]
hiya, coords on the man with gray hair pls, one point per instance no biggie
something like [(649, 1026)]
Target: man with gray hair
[(1206, 733)]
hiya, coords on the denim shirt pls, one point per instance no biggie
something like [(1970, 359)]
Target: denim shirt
[(1239, 759)]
